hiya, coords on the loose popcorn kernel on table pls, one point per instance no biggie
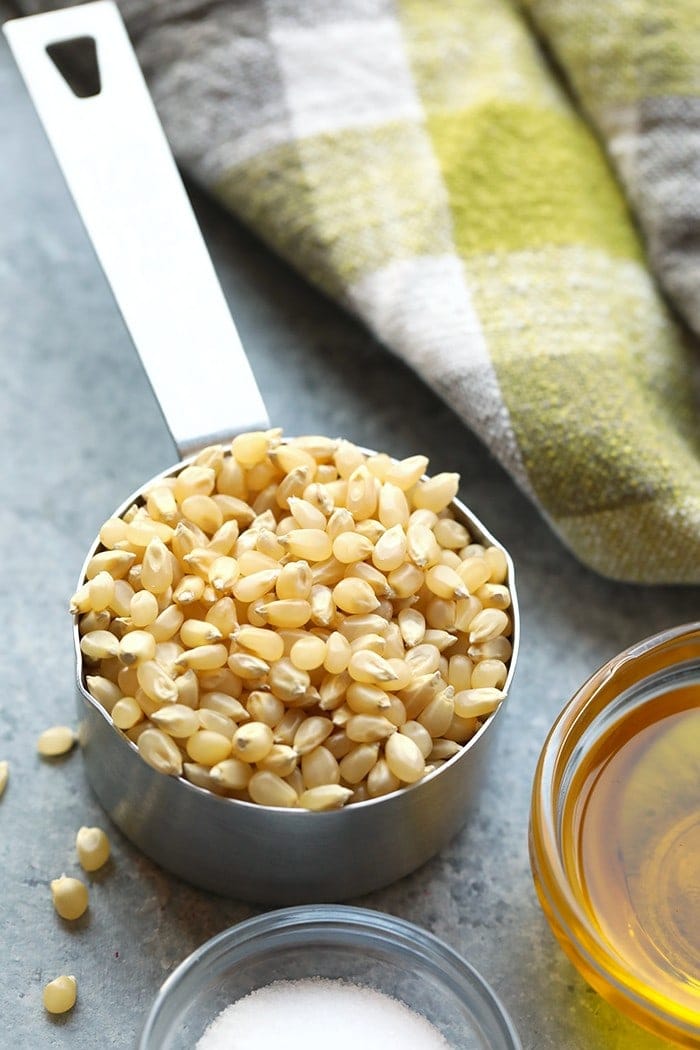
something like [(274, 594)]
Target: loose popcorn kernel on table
[(296, 623), (60, 994), (70, 897), (57, 740), (92, 847)]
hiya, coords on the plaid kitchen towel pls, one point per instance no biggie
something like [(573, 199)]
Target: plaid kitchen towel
[(635, 67), (421, 162)]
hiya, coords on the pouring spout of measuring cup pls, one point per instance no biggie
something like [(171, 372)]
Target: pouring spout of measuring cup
[(118, 166)]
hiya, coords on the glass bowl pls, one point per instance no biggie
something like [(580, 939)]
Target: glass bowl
[(359, 946), (629, 928)]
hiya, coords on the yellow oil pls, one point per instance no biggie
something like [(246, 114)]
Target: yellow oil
[(633, 849)]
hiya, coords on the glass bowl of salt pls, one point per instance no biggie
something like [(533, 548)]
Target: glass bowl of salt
[(326, 977)]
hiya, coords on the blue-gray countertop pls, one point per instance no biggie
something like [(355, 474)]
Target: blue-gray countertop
[(80, 430)]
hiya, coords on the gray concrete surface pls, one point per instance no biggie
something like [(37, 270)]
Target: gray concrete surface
[(80, 430)]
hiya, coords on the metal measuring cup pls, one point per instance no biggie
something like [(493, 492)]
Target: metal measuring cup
[(116, 161)]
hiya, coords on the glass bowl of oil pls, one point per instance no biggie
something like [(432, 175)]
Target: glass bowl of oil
[(615, 832)]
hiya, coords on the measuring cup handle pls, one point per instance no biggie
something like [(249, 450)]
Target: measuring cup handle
[(119, 169)]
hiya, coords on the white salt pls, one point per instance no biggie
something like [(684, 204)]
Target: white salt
[(319, 1014)]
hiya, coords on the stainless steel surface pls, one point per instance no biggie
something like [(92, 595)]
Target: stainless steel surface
[(282, 856), (119, 169)]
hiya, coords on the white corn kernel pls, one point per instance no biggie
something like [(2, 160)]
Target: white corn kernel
[(166, 624), (305, 514), (450, 534), (347, 458), (443, 749), (487, 624), (143, 608), (126, 713), (136, 647), (312, 545), (250, 449), (194, 480), (329, 796), (4, 775), (207, 747), (92, 847), (294, 581), (101, 588), (474, 572), (253, 741), (366, 666), (57, 740), (194, 633), (287, 613), (380, 780), (404, 758), (489, 674), (419, 735), (360, 493), (459, 673), (423, 659), (268, 789), (247, 666), (176, 719), (494, 649), (160, 751), (223, 573), (156, 682), (435, 493), (70, 897), (60, 994), (265, 707), (156, 567), (356, 764), (461, 729), (412, 626), (116, 563), (354, 596), (393, 506), (367, 729), (406, 580), (323, 608), (365, 699), (474, 703), (437, 714), (204, 657), (406, 473), (215, 722), (288, 682), (248, 588), (390, 549), (232, 774), (465, 611), (308, 653), (224, 704), (421, 546), (494, 596), (99, 645), (319, 767), (161, 504), (445, 582), (338, 653), (499, 565), (311, 733)]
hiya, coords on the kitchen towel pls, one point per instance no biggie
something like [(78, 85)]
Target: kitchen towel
[(483, 184)]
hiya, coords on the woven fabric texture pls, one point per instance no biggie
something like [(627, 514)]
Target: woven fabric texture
[(470, 178)]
